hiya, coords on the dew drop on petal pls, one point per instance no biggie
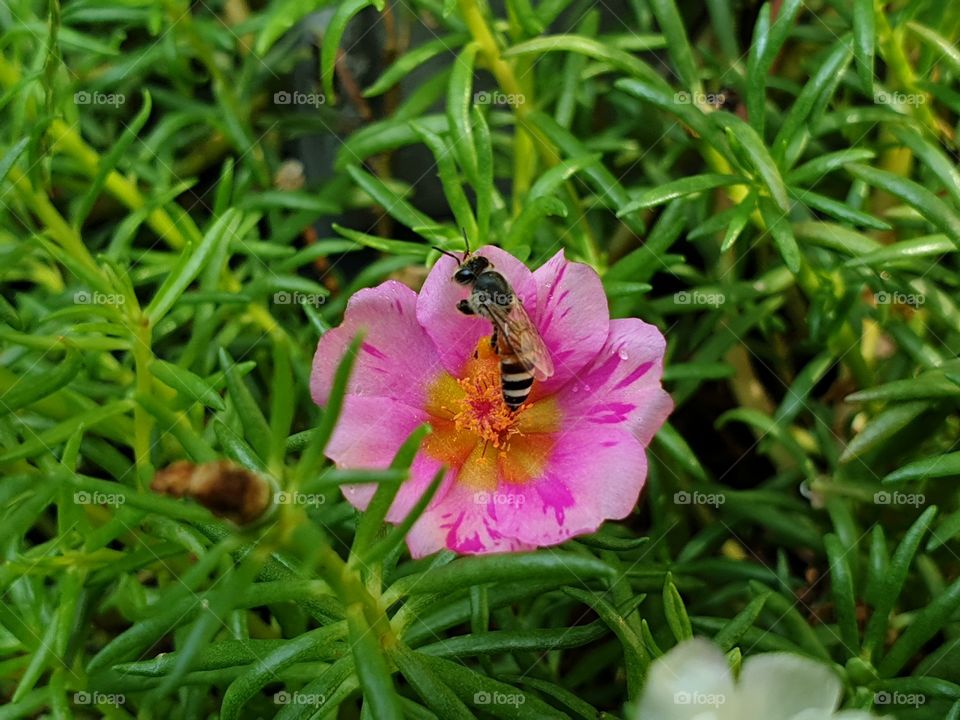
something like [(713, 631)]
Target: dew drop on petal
[(623, 354)]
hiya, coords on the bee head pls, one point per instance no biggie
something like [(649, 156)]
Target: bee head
[(470, 268)]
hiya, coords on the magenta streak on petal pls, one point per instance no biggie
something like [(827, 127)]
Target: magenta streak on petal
[(600, 375), (634, 376), (367, 347), (398, 305), (467, 544), (609, 443), (555, 495), (616, 413)]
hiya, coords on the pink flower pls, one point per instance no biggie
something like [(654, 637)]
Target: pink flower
[(571, 457)]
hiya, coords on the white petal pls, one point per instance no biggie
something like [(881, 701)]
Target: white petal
[(780, 686), (691, 682)]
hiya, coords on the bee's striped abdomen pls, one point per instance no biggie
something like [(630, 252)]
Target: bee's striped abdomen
[(516, 381)]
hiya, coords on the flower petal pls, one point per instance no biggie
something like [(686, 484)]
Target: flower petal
[(622, 383), (458, 522), (693, 680), (572, 317), (455, 334), (779, 686), (368, 435), (590, 475), (397, 359)]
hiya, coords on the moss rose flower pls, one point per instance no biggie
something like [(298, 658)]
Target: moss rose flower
[(571, 457)]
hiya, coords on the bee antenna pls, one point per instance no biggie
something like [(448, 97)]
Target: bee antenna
[(466, 242), (445, 252)]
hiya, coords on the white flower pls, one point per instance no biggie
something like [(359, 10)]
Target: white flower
[(694, 682)]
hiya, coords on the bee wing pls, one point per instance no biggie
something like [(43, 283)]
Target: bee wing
[(519, 333)]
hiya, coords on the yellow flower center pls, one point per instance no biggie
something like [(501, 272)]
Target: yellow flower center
[(474, 430)]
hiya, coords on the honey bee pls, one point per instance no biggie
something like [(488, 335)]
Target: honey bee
[(516, 341)]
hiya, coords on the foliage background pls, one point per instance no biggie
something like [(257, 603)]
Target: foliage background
[(774, 185)]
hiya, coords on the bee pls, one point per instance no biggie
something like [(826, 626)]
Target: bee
[(523, 355)]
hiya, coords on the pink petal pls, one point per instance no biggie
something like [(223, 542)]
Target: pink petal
[(594, 474), (621, 386), (455, 334), (368, 435), (458, 522), (572, 316), (397, 359)]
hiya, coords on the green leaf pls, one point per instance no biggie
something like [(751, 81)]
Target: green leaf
[(255, 428), (378, 689), (412, 59), (563, 567), (191, 386), (778, 225), (459, 101), (891, 583), (731, 633), (393, 204), (744, 135), (679, 188), (844, 597), (265, 671), (864, 34), (330, 47), (932, 467), (438, 697), (678, 45), (675, 611), (591, 47), (11, 156), (922, 200), (191, 262)]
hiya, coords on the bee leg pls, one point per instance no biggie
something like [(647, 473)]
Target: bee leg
[(494, 339), (464, 307)]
